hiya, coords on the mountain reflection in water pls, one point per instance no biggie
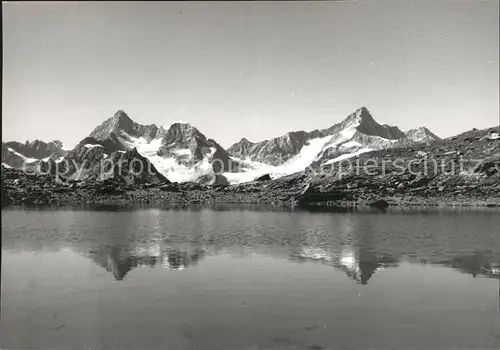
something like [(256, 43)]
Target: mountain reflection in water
[(243, 279), (358, 264), (120, 261), (359, 244)]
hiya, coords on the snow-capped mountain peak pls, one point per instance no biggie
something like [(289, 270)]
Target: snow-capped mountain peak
[(357, 133), (181, 134), (180, 153)]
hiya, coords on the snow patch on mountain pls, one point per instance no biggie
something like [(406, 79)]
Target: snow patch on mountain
[(177, 122), (344, 136), (348, 155), (144, 147), (306, 156), (68, 148), (22, 156), (350, 144), (493, 136), (254, 170), (301, 161), (91, 146), (167, 166), (183, 152), (175, 172)]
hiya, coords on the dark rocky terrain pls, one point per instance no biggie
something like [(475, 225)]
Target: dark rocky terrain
[(467, 173)]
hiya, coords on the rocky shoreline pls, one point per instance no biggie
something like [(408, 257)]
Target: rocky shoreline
[(20, 189)]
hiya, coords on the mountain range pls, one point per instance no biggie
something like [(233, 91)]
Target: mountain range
[(182, 153)]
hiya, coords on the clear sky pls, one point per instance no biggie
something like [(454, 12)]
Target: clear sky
[(248, 69)]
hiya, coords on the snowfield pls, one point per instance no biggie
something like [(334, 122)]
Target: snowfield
[(306, 156), (348, 155), (88, 145), (168, 166), (493, 136)]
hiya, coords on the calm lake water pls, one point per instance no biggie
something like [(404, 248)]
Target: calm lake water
[(250, 279)]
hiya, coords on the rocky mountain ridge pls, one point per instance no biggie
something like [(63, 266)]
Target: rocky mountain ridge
[(15, 154), (182, 153), (359, 131), (122, 123)]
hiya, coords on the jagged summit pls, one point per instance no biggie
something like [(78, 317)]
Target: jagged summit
[(186, 129), (121, 115), (359, 114), (121, 120), (181, 136), (363, 121), (423, 128), (245, 140), (121, 123), (370, 126)]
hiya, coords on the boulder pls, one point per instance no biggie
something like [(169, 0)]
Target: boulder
[(212, 179), (265, 177), (380, 204)]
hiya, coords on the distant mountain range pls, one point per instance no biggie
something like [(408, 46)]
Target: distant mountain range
[(15, 154), (182, 153)]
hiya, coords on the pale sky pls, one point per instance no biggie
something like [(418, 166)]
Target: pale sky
[(248, 69)]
